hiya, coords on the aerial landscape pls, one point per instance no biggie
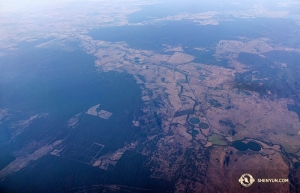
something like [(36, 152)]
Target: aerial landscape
[(150, 96)]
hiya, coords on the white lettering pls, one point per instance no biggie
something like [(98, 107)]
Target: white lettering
[(272, 180)]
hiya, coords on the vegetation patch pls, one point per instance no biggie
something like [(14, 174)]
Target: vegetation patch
[(217, 139), (202, 78)]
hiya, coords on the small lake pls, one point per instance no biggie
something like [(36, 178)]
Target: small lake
[(194, 120), (253, 146), (239, 145)]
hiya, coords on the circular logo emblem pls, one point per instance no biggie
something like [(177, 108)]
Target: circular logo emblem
[(246, 180)]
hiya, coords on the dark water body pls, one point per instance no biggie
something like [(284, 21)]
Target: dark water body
[(5, 157), (294, 108), (195, 132), (226, 161), (131, 171), (190, 35), (61, 84), (51, 174), (206, 57), (239, 145), (284, 82), (169, 8), (54, 174), (203, 125), (194, 120), (253, 146), (142, 78), (297, 165)]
